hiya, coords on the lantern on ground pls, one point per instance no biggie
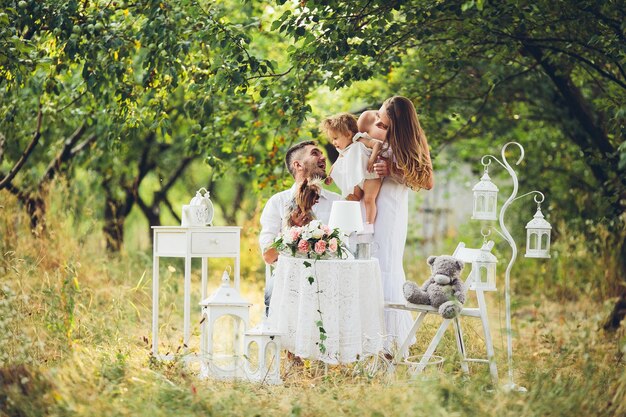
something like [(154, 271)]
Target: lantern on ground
[(538, 236), (484, 269), (225, 318), (485, 198), (262, 354)]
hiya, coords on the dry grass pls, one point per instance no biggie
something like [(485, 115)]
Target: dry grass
[(75, 340)]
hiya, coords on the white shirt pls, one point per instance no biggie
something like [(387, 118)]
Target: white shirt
[(276, 208)]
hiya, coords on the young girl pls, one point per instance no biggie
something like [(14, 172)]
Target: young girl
[(353, 170), (300, 207)]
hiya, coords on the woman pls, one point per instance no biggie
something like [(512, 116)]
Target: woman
[(409, 167)]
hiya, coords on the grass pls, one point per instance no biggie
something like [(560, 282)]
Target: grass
[(75, 334)]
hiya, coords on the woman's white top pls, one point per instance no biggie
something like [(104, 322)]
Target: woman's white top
[(350, 169)]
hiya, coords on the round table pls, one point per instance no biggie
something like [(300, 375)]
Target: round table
[(345, 295)]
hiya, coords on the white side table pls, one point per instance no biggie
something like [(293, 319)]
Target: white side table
[(190, 242)]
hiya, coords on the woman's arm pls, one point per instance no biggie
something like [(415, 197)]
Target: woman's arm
[(381, 167)]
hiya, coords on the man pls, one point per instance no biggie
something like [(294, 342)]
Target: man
[(304, 160)]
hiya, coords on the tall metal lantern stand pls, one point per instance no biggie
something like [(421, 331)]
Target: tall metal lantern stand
[(226, 301), (262, 354), (536, 230)]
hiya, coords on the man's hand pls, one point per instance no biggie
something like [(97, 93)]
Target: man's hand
[(270, 256)]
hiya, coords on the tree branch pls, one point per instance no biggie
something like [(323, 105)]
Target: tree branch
[(584, 60), (65, 154), (177, 173), (2, 142), (78, 148), (25, 155), (574, 100), (168, 204)]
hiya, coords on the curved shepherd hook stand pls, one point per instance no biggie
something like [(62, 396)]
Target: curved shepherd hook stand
[(485, 161)]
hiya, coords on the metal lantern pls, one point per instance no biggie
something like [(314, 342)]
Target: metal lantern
[(199, 211), (538, 236), (484, 269), (262, 354), (485, 198), (225, 302)]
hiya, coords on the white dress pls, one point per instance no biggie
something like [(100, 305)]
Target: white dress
[(390, 231), (350, 169)]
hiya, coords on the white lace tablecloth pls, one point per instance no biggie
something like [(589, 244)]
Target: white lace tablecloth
[(349, 295)]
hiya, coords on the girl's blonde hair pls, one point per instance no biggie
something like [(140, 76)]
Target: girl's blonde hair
[(408, 143), (344, 123)]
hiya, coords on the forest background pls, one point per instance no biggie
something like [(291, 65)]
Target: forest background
[(112, 114)]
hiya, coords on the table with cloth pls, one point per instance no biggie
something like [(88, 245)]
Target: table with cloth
[(349, 295)]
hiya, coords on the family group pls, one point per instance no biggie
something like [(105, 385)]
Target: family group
[(382, 156)]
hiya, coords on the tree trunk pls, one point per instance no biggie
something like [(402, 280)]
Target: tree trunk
[(113, 225), (618, 313), (115, 213)]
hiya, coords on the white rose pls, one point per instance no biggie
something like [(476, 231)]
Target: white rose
[(314, 224), (317, 233)]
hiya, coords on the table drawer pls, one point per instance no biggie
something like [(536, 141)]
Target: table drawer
[(214, 243), (170, 244)]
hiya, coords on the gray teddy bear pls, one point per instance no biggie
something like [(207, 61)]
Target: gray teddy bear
[(444, 289)]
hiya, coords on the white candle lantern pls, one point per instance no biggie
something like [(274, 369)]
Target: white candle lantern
[(262, 354), (199, 211), (485, 198), (224, 303), (538, 236), (484, 269)]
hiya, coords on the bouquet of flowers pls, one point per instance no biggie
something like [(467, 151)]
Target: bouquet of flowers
[(314, 241)]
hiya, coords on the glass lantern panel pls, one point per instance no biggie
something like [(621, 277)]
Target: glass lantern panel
[(227, 341), (545, 241), (482, 274), (252, 353), (480, 203), (492, 204), (271, 363), (534, 241)]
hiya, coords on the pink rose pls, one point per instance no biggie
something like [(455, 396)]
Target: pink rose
[(326, 229), (294, 233), (320, 247), (332, 245), (303, 246)]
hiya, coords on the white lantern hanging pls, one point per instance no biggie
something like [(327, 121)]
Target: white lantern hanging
[(262, 355), (538, 236), (484, 269), (224, 304), (485, 198), (199, 211)]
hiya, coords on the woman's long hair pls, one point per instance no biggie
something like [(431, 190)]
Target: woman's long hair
[(408, 143)]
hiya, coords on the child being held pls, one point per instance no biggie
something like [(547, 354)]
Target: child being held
[(353, 170)]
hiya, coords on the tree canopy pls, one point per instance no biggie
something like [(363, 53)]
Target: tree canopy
[(129, 90)]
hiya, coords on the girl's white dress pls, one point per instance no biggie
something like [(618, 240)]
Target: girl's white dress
[(350, 169), (390, 229)]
